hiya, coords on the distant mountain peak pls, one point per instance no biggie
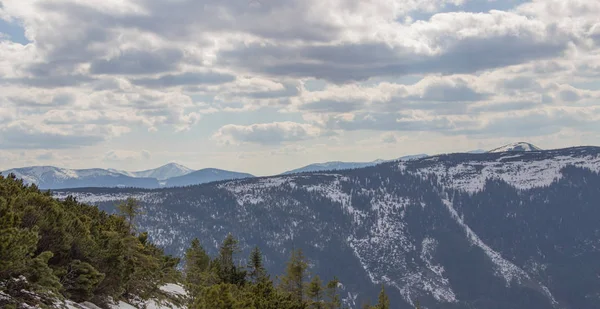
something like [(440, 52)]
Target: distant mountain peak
[(516, 147), (168, 170)]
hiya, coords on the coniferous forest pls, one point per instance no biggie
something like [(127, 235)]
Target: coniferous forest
[(52, 250)]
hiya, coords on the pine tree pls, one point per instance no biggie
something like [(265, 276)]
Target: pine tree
[(383, 302), (296, 272), (17, 245), (315, 293), (130, 209), (257, 270), (333, 297), (196, 263), (80, 280), (226, 269)]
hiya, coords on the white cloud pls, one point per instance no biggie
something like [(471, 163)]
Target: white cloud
[(97, 73), (267, 133)]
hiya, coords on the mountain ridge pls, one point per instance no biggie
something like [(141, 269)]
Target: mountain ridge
[(174, 174), (449, 230), (341, 165), (51, 177), (516, 147)]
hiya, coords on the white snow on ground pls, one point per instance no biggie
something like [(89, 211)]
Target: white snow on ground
[(94, 198), (333, 191), (174, 289), (251, 192), (526, 174), (504, 268), (237, 186)]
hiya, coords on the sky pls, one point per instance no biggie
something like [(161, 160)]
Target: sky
[(264, 86)]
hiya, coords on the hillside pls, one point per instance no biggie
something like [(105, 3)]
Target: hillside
[(492, 230), (61, 253), (69, 255)]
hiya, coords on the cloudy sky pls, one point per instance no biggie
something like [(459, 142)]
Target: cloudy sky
[(263, 86)]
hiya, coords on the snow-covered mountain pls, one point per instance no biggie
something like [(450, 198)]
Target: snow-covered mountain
[(164, 172), (493, 230), (338, 165), (172, 174), (514, 147), (50, 177)]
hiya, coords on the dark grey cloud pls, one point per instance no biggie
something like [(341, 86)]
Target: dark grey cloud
[(505, 106), (333, 106), (289, 90), (444, 92), (26, 137), (59, 100), (395, 122), (355, 62), (280, 20), (134, 62), (519, 83), (50, 81), (185, 79)]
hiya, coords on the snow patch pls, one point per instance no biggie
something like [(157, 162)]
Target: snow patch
[(472, 176)]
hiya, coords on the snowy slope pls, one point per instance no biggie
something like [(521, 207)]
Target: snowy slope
[(166, 171), (523, 170), (515, 147)]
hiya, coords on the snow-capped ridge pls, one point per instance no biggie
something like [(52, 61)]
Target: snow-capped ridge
[(172, 174), (523, 170), (516, 147), (163, 172)]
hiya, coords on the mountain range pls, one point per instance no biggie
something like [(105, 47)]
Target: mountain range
[(173, 174), (495, 230), (338, 165)]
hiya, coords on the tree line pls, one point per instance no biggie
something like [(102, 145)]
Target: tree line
[(62, 249), (221, 283)]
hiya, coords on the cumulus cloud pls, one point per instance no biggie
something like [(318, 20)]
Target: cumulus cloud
[(267, 133), (94, 70), (448, 43)]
